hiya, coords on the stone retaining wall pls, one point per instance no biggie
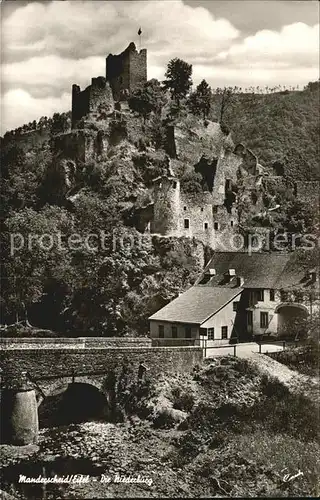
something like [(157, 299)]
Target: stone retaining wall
[(54, 362), (73, 343)]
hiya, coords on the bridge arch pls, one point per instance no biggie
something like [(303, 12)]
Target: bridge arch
[(73, 402)]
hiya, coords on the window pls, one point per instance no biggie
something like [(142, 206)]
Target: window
[(224, 332), (184, 208), (272, 295), (174, 332), (235, 306), (186, 223), (210, 333), (249, 318), (206, 225), (203, 332), (264, 319), (174, 184), (260, 295), (161, 331), (231, 223), (216, 226), (228, 185), (188, 332), (284, 296), (201, 209)]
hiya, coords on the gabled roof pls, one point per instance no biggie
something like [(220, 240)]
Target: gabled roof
[(196, 304), (260, 270)]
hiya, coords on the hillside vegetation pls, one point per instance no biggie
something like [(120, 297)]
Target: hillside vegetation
[(281, 127), (112, 289)]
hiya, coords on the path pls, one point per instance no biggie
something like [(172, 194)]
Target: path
[(242, 350), (295, 381)]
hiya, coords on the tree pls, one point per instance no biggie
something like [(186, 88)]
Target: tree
[(227, 94), (200, 100), (33, 255), (147, 100), (178, 78), (60, 123)]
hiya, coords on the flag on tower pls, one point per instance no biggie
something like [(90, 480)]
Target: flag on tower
[(140, 31)]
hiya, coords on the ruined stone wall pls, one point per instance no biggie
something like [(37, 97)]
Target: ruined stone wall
[(80, 103), (95, 99), (100, 95), (71, 145), (192, 141), (218, 190), (226, 173), (33, 139), (78, 145), (170, 143)]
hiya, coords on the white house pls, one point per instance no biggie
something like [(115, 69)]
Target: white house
[(200, 311), (240, 296)]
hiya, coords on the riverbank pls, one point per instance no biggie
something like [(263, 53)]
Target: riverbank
[(227, 430)]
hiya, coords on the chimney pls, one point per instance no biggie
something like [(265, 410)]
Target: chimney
[(240, 280)]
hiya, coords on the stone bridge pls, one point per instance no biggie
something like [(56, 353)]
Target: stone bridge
[(79, 378)]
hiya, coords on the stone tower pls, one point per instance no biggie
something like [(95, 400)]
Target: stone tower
[(166, 206), (127, 71)]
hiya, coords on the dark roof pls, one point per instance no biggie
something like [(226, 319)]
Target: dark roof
[(259, 270), (196, 304)]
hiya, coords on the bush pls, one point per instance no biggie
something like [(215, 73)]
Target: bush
[(191, 182), (182, 400), (164, 419), (304, 359)]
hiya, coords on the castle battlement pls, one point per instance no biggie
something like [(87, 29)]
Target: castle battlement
[(125, 73)]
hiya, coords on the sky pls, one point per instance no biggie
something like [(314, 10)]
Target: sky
[(49, 45)]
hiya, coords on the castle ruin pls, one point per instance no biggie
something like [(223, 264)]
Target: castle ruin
[(101, 118), (125, 73)]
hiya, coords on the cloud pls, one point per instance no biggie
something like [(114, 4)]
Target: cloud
[(295, 45), (50, 45), (51, 73), (19, 107), (288, 57), (75, 29)]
